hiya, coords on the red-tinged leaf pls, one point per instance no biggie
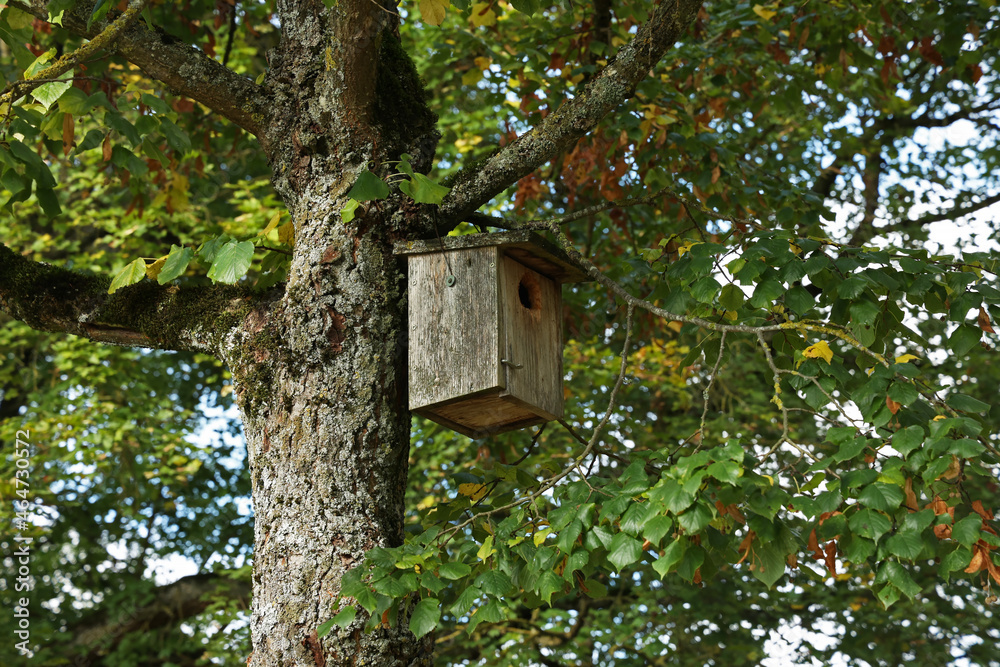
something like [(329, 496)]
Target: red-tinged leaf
[(977, 507), (106, 148), (942, 532), (813, 545), (993, 570), (892, 405), (984, 321), (978, 562), (886, 45), (885, 15), (831, 557), (911, 497), (975, 72), (929, 53)]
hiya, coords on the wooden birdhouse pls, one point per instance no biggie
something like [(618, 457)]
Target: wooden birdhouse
[(485, 337)]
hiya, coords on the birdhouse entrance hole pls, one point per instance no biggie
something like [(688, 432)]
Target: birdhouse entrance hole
[(529, 293)]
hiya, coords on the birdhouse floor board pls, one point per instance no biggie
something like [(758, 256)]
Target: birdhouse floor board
[(484, 415)]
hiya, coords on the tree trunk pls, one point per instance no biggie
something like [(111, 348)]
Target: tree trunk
[(320, 375), (320, 381)]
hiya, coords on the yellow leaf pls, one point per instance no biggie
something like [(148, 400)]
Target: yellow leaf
[(153, 270), (177, 193), (902, 359), (730, 315), (540, 536), (685, 248), (275, 219), (433, 11), (820, 350), (467, 144), (482, 15), (482, 62), (472, 490), (286, 233), (472, 77), (769, 479), (939, 418), (486, 550), (764, 12)]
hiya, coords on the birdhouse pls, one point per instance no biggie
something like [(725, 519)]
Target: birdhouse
[(485, 330)]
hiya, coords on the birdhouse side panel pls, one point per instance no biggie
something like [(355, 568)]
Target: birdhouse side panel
[(533, 342), (454, 329)]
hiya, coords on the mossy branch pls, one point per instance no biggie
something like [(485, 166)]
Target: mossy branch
[(101, 41), (185, 69), (575, 118), (49, 298)]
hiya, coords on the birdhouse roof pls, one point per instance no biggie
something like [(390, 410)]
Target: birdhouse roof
[(528, 248)]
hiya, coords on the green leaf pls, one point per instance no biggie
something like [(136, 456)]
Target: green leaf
[(425, 616), (964, 338), (465, 600), (453, 570), (368, 187), (132, 273), (881, 496), (671, 494), (656, 528), (966, 531), (347, 213), (966, 403), (422, 190), (176, 264), (494, 582), (48, 201), (705, 289), (231, 262), (695, 519), (903, 392), (672, 555), (800, 300), (343, 619), (47, 93), (528, 7), (908, 439), (624, 551), (732, 297), (101, 8), (549, 583), (767, 563), (906, 545), (869, 523)]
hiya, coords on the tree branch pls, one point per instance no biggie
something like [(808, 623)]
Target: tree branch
[(48, 298), (578, 116), (70, 61), (187, 70), (173, 603)]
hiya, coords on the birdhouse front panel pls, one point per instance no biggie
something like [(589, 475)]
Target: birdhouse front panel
[(455, 329)]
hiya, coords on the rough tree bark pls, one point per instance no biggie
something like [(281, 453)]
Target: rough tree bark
[(319, 365)]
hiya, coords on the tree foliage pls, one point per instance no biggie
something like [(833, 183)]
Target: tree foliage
[(781, 382)]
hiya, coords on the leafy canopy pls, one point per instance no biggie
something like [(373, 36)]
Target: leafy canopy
[(795, 425)]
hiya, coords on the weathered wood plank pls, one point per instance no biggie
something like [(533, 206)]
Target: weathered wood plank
[(532, 311), (455, 331)]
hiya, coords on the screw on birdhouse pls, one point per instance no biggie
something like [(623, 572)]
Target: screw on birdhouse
[(511, 364), (449, 281)]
